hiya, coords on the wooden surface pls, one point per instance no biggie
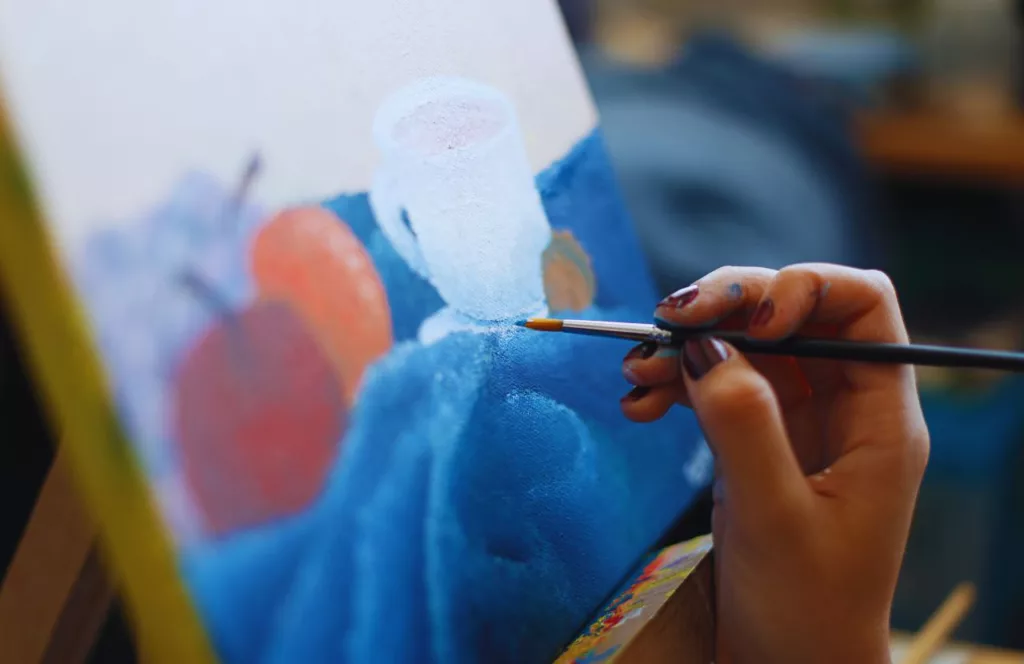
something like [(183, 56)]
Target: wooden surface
[(83, 615), (936, 632), (943, 144), (56, 594), (958, 653)]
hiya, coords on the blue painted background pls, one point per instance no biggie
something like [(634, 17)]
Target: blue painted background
[(489, 493)]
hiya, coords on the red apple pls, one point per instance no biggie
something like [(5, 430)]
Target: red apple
[(258, 413)]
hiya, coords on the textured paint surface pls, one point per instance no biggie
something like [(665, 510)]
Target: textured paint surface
[(488, 494), (310, 259), (489, 464), (455, 196), (258, 412), (568, 275)]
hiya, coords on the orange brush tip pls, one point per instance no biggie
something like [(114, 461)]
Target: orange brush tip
[(543, 324)]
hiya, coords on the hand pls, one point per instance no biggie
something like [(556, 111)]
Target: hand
[(817, 462)]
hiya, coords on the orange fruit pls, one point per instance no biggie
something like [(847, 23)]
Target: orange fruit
[(311, 259)]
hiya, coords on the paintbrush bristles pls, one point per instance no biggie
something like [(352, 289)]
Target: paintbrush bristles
[(543, 324)]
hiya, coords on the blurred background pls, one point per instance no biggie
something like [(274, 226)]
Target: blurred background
[(876, 133)]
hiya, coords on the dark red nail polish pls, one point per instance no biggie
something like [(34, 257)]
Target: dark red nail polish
[(681, 297), (763, 313), (642, 352), (701, 355), (637, 393)]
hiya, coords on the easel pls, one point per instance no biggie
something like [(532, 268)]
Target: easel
[(56, 594)]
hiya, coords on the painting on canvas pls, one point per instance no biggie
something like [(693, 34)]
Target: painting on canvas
[(301, 234)]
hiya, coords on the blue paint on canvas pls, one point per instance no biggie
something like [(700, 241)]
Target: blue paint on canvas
[(490, 494)]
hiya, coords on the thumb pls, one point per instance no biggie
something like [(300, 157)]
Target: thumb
[(743, 424)]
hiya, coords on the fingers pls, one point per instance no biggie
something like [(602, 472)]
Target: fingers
[(647, 404), (862, 304), (813, 298), (712, 300), (650, 364), (743, 424), (859, 305), (654, 366)]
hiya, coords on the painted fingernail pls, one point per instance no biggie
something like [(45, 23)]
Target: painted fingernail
[(701, 355), (642, 352), (680, 298), (636, 394), (763, 313)]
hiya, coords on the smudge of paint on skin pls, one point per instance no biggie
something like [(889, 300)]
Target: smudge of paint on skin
[(569, 282), (735, 292), (699, 469), (825, 288), (718, 491), (642, 352)]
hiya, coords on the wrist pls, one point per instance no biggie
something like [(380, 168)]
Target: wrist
[(844, 646)]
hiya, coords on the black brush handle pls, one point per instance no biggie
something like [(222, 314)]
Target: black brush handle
[(858, 351)]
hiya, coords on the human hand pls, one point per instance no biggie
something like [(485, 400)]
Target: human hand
[(817, 462)]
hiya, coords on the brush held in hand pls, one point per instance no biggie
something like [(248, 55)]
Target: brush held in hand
[(831, 349)]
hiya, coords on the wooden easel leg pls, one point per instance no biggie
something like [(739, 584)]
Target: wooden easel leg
[(56, 593), (84, 614)]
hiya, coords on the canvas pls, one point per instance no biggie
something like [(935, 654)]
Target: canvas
[(299, 236)]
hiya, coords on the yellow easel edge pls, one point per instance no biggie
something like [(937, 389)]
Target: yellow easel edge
[(65, 362)]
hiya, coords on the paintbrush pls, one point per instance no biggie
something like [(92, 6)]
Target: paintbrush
[(942, 623), (831, 349)]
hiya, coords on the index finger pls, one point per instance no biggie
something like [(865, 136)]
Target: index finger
[(817, 299), (861, 305), (856, 305)]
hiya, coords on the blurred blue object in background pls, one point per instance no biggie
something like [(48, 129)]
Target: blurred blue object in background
[(727, 158), (969, 522)]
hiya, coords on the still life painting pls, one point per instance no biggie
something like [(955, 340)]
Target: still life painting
[(301, 235)]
